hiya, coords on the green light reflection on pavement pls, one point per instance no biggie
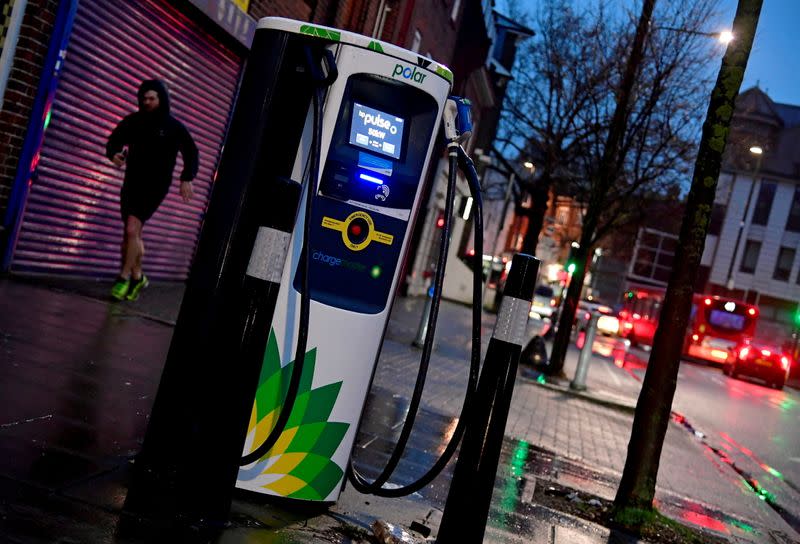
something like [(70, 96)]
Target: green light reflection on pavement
[(509, 497), (774, 472), (788, 404), (742, 525)]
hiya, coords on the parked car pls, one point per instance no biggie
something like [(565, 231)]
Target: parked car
[(761, 361), (544, 302), (608, 323)]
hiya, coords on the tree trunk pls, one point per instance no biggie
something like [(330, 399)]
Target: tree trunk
[(540, 194), (607, 172), (637, 487)]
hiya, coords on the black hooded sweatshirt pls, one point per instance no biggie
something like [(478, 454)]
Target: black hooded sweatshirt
[(153, 140)]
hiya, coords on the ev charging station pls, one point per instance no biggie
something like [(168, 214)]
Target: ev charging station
[(286, 306), (379, 122)]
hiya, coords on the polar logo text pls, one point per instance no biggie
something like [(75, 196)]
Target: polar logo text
[(408, 73)]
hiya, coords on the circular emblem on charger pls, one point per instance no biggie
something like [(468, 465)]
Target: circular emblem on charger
[(357, 232)]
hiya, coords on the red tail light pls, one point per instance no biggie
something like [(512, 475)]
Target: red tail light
[(785, 363), (588, 316), (553, 302), (708, 302), (695, 337), (743, 353), (766, 352), (751, 311)]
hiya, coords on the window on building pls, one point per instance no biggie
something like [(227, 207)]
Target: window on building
[(764, 203), (417, 43), (784, 265), (750, 257), (454, 13), (793, 221), (717, 218)]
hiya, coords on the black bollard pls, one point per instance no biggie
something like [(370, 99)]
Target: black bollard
[(470, 495)]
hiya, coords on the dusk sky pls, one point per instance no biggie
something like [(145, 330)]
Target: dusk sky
[(775, 60)]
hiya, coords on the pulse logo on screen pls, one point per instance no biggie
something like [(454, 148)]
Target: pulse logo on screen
[(376, 130)]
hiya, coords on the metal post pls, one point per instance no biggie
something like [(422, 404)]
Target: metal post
[(500, 226), (470, 495), (579, 382), (730, 281), (422, 330)]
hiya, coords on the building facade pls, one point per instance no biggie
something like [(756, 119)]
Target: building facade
[(752, 250), (69, 71), (485, 52)]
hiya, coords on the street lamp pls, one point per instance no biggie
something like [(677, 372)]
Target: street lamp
[(758, 151), (724, 36)]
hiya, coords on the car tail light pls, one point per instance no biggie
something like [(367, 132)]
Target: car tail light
[(553, 302), (785, 363), (743, 353), (695, 337), (708, 302), (628, 325), (766, 352), (751, 311)]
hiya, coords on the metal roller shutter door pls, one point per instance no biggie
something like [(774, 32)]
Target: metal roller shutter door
[(72, 223)]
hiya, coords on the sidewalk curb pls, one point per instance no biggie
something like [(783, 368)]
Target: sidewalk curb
[(586, 395)]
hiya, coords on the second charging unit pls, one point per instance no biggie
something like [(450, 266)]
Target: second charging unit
[(379, 121)]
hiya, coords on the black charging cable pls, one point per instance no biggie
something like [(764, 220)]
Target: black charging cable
[(321, 81), (457, 158)]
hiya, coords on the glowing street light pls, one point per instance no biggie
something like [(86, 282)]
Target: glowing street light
[(726, 37), (756, 150)]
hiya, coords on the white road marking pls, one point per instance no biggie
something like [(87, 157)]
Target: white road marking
[(613, 374)]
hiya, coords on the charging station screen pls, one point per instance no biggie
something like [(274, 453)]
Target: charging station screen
[(376, 130)]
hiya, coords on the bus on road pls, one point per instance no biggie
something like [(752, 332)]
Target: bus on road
[(717, 325)]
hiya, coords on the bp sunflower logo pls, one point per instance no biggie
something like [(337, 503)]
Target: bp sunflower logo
[(299, 466)]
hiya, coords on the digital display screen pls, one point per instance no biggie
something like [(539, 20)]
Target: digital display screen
[(726, 320), (376, 130)]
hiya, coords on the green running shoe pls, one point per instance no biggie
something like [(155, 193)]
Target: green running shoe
[(120, 289), (136, 287)]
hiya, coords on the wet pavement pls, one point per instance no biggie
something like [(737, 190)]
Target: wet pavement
[(77, 379)]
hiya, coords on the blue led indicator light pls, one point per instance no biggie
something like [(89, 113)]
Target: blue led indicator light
[(373, 179)]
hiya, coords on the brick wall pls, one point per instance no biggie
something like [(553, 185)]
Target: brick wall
[(23, 81), (293, 9)]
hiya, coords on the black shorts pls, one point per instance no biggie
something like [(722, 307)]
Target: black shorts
[(139, 203)]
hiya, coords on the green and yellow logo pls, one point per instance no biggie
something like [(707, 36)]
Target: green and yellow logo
[(299, 466)]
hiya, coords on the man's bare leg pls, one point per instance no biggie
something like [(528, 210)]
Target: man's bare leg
[(133, 248)]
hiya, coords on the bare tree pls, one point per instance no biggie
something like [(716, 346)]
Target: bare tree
[(634, 501), (559, 75), (569, 98)]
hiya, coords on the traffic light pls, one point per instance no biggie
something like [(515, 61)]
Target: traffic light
[(572, 261), (797, 318)]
